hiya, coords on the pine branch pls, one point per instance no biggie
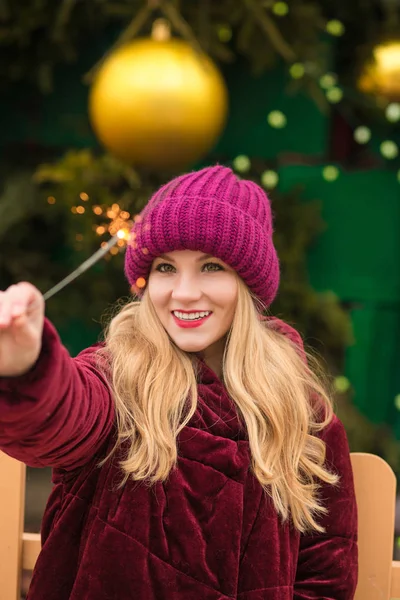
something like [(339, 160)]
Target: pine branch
[(63, 16), (129, 33), (270, 29), (17, 200), (180, 24)]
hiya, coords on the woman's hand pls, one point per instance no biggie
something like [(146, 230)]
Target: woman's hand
[(21, 327)]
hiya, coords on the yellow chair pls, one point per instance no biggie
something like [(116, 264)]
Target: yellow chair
[(375, 483), (379, 575), (18, 550)]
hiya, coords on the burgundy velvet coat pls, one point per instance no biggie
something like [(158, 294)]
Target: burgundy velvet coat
[(208, 533)]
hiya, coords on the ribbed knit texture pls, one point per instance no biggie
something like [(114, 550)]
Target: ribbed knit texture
[(214, 212)]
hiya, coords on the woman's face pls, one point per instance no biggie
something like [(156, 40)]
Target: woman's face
[(194, 295)]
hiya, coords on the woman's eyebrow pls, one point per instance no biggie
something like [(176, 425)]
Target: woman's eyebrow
[(170, 259), (166, 257), (204, 257)]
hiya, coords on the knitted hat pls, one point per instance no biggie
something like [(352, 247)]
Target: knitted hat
[(214, 212)]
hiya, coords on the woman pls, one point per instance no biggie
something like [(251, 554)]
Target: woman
[(195, 454)]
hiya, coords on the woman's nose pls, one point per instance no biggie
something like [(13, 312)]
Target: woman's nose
[(186, 289)]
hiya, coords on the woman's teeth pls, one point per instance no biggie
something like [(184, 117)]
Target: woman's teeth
[(191, 316)]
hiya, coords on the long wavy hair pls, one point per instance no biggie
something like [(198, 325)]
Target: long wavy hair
[(274, 389)]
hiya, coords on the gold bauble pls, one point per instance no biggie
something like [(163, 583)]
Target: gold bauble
[(158, 104), (381, 76)]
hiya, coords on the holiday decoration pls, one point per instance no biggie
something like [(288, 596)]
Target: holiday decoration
[(158, 104), (381, 76)]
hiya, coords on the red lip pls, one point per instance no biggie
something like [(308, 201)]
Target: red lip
[(190, 324)]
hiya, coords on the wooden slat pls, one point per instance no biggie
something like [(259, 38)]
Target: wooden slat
[(12, 494), (395, 582), (375, 485), (30, 550)]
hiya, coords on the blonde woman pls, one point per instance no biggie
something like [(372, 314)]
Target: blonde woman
[(195, 454)]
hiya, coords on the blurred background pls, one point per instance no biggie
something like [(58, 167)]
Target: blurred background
[(102, 101)]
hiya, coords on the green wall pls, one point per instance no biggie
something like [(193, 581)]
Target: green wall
[(358, 258), (252, 99)]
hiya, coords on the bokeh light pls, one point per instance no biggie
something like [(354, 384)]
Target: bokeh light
[(280, 9), (269, 179), (389, 149), (334, 94), (362, 134), (242, 163), (330, 173), (335, 27), (297, 70), (277, 119)]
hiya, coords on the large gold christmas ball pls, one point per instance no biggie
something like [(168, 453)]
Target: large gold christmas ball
[(158, 104), (381, 76)]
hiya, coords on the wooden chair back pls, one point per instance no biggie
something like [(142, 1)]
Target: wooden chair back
[(375, 484), (18, 550)]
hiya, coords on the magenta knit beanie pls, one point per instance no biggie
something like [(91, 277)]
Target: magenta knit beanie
[(214, 212)]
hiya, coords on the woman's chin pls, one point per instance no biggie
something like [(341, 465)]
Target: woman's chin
[(190, 346)]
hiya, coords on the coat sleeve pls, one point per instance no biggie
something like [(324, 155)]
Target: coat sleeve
[(328, 563), (59, 413)]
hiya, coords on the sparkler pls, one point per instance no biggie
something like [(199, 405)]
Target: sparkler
[(83, 267)]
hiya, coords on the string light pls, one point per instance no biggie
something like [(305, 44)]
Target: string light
[(362, 134), (334, 94), (277, 119), (80, 210), (389, 149), (140, 282), (392, 112), (342, 384), (335, 27), (100, 230), (280, 9), (297, 70), (51, 200), (328, 80), (97, 210), (269, 179), (83, 196), (330, 173), (73, 210), (242, 163), (224, 33)]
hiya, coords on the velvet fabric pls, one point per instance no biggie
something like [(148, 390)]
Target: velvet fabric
[(208, 533)]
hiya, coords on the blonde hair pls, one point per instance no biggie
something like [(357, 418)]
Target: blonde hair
[(155, 388)]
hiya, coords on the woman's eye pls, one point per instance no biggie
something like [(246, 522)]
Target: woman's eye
[(212, 267), (164, 268)]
